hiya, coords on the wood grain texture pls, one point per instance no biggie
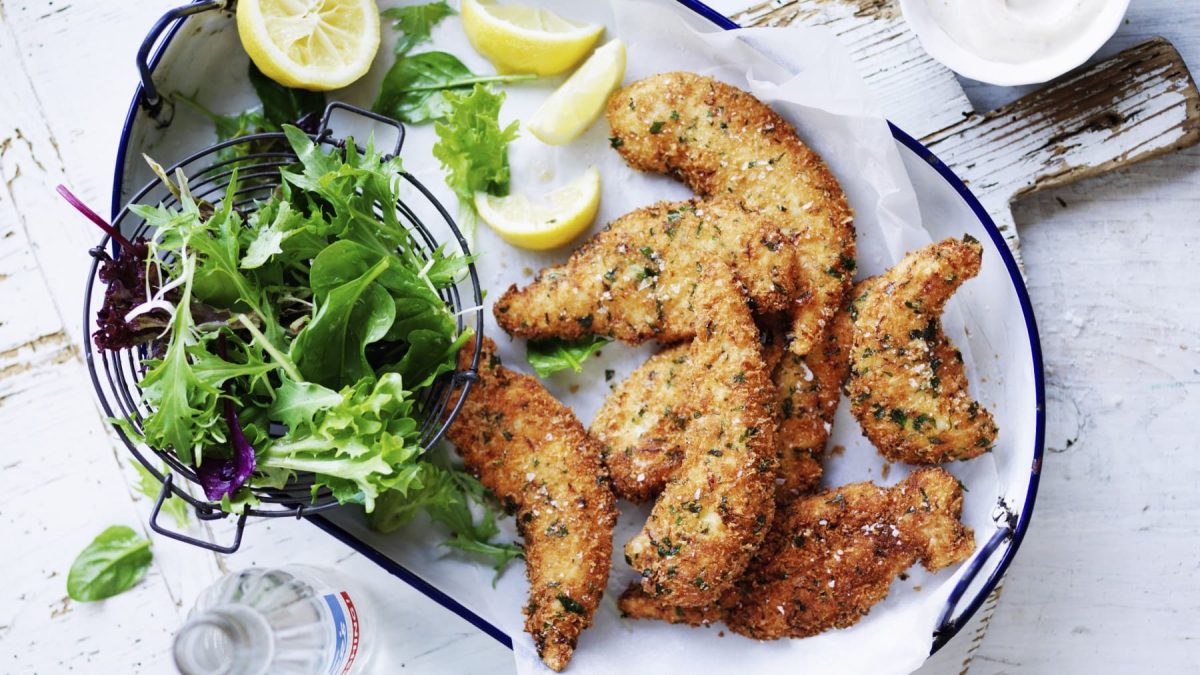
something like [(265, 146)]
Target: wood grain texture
[(1137, 105), (1106, 579)]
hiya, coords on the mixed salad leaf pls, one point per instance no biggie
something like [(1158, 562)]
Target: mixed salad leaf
[(473, 148), (414, 23), (294, 335), (552, 355)]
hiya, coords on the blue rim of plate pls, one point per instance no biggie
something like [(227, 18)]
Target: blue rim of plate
[(947, 631)]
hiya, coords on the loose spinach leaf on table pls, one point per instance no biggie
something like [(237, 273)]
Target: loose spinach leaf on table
[(551, 355), (415, 23), (115, 560), (414, 89)]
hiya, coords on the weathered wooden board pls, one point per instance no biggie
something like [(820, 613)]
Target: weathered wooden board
[(1137, 105)]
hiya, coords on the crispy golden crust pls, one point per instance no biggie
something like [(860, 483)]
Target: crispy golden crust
[(634, 281), (536, 457), (808, 391), (716, 508), (908, 386), (641, 424), (635, 603), (831, 557), (723, 142)]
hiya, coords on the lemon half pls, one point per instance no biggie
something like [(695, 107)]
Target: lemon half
[(555, 220), (523, 39), (574, 106), (310, 44)]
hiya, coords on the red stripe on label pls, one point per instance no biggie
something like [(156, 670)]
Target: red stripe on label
[(354, 634)]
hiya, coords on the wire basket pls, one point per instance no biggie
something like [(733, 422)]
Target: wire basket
[(115, 374)]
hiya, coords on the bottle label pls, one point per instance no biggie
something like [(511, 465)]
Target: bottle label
[(346, 632)]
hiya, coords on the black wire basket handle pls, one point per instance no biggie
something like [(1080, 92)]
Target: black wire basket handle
[(203, 512), (155, 105)]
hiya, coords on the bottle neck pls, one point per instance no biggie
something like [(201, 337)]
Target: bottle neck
[(225, 640)]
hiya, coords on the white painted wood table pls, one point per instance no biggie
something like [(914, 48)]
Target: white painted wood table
[(1106, 580)]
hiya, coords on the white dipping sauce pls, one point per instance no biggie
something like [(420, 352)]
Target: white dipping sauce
[(1015, 31)]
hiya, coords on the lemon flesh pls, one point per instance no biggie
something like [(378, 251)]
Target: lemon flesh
[(522, 39), (574, 106), (310, 44), (555, 220)]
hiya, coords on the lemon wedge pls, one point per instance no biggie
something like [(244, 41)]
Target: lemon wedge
[(522, 39), (574, 106), (557, 219), (310, 44)]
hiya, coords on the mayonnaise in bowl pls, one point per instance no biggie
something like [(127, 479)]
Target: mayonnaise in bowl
[(1013, 41)]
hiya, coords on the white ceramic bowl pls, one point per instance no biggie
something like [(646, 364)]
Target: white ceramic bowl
[(954, 56)]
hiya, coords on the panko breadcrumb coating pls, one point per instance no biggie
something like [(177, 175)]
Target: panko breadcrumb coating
[(533, 453), (716, 508), (831, 557), (724, 143), (640, 425), (908, 385), (635, 280), (808, 389)]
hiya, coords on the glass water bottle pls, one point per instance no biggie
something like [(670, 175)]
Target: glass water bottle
[(293, 620)]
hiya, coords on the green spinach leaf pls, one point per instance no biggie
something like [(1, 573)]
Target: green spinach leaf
[(551, 355), (414, 89), (283, 105), (115, 560), (330, 350)]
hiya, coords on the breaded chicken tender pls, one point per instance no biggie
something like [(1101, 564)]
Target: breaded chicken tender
[(533, 453), (908, 386), (723, 142), (831, 557), (716, 508), (808, 389), (640, 425), (635, 280)]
